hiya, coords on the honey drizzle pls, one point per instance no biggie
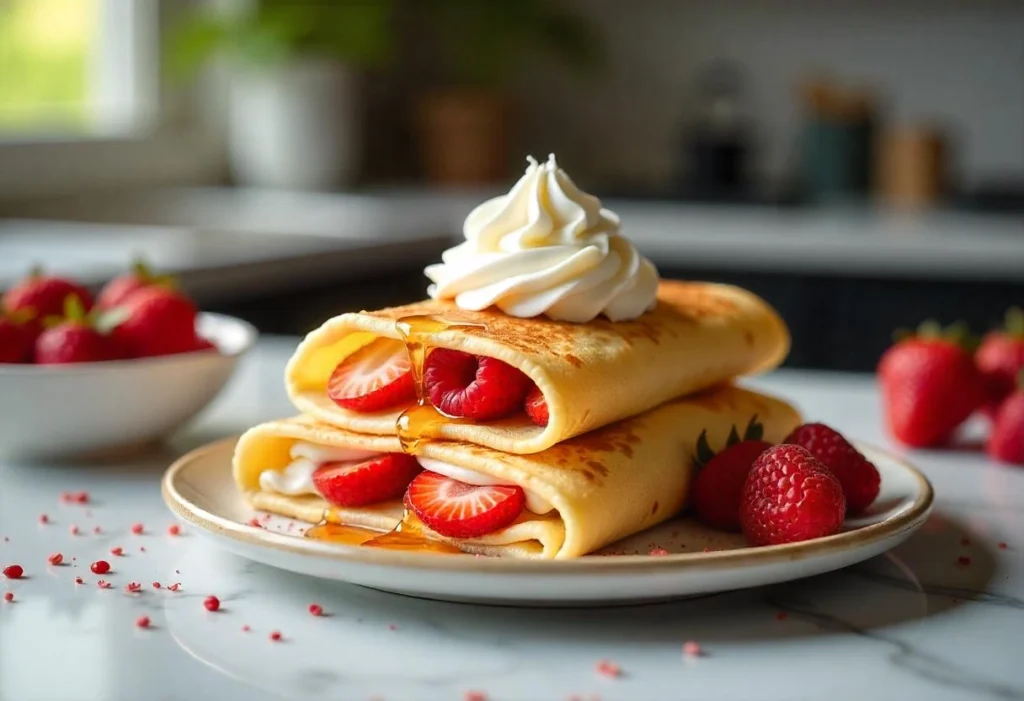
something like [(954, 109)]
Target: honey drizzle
[(416, 423), (344, 535), (408, 535)]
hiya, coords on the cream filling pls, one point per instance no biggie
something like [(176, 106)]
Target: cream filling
[(296, 478)]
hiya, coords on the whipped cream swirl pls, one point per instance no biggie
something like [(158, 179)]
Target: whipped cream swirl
[(546, 248)]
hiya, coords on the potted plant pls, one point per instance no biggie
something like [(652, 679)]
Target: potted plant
[(466, 122), (293, 107)]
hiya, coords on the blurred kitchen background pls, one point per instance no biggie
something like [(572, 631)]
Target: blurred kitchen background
[(859, 163)]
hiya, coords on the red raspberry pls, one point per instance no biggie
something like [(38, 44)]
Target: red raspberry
[(719, 484), (790, 496), (473, 387), (855, 472)]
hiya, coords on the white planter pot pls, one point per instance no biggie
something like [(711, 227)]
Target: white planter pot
[(294, 127)]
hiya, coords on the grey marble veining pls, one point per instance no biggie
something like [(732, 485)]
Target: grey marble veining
[(916, 623)]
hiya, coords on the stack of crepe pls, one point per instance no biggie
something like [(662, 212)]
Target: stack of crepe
[(627, 402)]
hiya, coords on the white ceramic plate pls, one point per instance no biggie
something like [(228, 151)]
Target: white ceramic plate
[(199, 489)]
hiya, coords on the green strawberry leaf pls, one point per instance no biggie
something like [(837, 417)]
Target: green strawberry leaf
[(734, 437), (754, 430), (106, 321), (1014, 324), (704, 452), (73, 308)]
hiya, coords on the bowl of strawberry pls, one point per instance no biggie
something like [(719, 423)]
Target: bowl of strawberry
[(81, 374)]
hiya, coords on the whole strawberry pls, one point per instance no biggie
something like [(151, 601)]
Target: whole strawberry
[(1000, 358), (16, 339), (1006, 442), (859, 478), (789, 496), (156, 321), (44, 295), (930, 385), (117, 291), (716, 490), (74, 339), (719, 485)]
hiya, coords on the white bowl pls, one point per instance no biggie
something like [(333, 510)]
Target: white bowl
[(61, 411)]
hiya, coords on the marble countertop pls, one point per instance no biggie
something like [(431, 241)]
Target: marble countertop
[(917, 623), (953, 245)]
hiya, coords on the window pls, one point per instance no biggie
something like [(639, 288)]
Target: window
[(81, 100)]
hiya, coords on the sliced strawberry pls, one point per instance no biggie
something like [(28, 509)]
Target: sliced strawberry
[(473, 387), (368, 482), (459, 510), (536, 407), (376, 377)]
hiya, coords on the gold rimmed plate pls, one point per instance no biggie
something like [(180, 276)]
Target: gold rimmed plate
[(199, 489)]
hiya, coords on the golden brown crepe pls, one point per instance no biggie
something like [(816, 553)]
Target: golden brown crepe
[(604, 485), (699, 335)]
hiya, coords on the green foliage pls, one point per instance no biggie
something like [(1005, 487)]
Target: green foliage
[(273, 31), (482, 41)]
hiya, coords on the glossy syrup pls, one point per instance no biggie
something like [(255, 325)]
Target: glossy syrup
[(417, 422), (408, 535), (343, 535)]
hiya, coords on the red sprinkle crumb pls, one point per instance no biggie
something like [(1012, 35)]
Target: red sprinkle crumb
[(119, 551), (246, 629), (66, 497), (691, 648), (97, 530), (174, 529), (133, 587), (174, 587), (142, 622), (55, 559), (316, 609), (212, 603), (474, 696), (13, 571), (275, 635), (79, 580), (73, 529), (1001, 545), (658, 552), (100, 567), (965, 541), (608, 668), (963, 560), (9, 596), (44, 519), (137, 528), (392, 626), (156, 585), (255, 522), (781, 616), (706, 550), (103, 584), (80, 497), (142, 548)]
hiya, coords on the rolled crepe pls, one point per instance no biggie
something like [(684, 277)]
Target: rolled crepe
[(604, 485), (591, 375)]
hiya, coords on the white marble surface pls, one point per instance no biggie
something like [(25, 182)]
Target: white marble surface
[(913, 624), (830, 240)]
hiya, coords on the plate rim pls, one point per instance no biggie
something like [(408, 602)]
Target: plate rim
[(619, 564)]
